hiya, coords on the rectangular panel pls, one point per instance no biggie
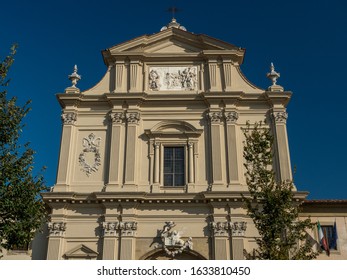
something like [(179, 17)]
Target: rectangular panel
[(173, 78)]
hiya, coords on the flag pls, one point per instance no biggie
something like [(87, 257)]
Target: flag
[(322, 239), (334, 237)]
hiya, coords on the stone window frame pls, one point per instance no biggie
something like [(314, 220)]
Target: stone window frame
[(162, 135)]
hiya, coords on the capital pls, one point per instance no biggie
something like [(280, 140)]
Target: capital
[(133, 117), (69, 118), (117, 117), (57, 228), (231, 117), (238, 228), (219, 228), (280, 117), (215, 117)]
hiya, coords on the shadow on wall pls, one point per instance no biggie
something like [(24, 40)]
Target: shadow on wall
[(39, 245)]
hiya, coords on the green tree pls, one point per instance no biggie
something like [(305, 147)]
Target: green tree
[(22, 211), (271, 205)]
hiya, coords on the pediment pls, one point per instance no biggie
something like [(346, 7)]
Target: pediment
[(81, 251), (172, 46), (173, 128), (171, 41)]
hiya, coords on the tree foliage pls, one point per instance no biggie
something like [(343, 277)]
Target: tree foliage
[(271, 205), (22, 212)]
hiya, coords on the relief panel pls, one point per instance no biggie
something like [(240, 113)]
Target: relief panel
[(173, 78)]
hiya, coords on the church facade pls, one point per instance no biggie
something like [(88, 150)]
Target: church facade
[(151, 163)]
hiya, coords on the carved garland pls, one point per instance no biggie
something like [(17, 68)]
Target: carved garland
[(91, 145)]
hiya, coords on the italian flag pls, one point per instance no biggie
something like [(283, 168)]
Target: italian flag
[(322, 239)]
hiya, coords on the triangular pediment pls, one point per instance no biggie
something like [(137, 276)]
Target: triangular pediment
[(171, 41), (172, 46), (81, 251)]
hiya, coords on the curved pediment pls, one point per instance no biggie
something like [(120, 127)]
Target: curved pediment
[(173, 128)]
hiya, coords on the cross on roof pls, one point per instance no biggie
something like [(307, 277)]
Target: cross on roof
[(173, 10)]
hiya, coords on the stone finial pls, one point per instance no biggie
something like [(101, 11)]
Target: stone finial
[(273, 76), (173, 24), (74, 78)]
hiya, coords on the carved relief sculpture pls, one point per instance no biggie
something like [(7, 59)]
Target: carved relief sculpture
[(173, 78), (90, 145), (154, 80), (172, 242)]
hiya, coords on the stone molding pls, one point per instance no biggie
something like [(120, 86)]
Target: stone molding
[(56, 228), (69, 118)]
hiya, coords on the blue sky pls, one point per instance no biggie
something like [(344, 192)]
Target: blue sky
[(306, 40)]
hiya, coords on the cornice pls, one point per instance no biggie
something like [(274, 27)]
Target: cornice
[(278, 99), (74, 100)]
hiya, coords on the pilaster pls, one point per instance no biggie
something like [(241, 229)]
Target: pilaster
[(156, 163), (231, 118), (215, 118), (238, 230), (221, 242), (111, 240), (279, 118), (56, 242), (66, 149), (120, 79), (128, 240), (135, 75), (227, 68), (133, 119), (114, 178), (190, 162)]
